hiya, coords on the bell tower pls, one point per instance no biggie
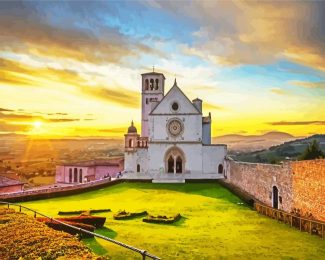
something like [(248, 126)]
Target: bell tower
[(153, 86)]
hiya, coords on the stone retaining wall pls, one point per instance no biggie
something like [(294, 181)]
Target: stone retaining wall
[(300, 184), (309, 187)]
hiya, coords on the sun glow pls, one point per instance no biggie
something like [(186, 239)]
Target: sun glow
[(37, 124)]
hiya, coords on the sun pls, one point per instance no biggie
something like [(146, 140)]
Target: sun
[(37, 124)]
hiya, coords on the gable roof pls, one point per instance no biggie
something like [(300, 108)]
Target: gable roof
[(175, 89)]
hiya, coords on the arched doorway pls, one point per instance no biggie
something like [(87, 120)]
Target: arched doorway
[(179, 165), (170, 166), (275, 196), (174, 160)]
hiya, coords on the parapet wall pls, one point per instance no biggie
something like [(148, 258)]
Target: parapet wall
[(258, 180), (309, 187), (300, 184)]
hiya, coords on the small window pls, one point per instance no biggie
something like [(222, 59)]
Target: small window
[(175, 106), (280, 199), (80, 175), (70, 175), (147, 101), (75, 175), (138, 167), (220, 169), (130, 143)]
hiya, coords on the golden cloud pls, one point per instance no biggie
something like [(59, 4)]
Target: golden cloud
[(256, 32), (209, 106), (279, 91), (308, 84), (290, 123), (16, 73), (5, 127)]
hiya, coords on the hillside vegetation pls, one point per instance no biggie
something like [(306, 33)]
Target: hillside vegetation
[(275, 154)]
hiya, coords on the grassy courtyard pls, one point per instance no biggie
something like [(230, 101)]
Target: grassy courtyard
[(214, 225)]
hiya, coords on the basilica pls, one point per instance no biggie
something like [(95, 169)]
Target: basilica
[(175, 139)]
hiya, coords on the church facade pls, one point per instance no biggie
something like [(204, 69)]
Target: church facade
[(175, 138)]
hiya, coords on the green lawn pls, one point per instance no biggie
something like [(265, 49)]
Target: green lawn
[(213, 226)]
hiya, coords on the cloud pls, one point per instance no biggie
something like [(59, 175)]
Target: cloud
[(25, 29), (310, 85), (19, 72), (209, 106), (120, 96), (5, 127), (5, 110), (297, 123), (118, 130), (279, 91), (255, 32), (16, 117)]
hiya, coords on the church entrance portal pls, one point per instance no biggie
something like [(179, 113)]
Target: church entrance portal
[(174, 161)]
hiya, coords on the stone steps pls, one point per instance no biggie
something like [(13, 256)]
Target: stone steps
[(168, 181)]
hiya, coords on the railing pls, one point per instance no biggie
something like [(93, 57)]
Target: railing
[(142, 252), (303, 224)]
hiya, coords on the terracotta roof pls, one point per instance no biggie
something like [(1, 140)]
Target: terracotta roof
[(5, 181)]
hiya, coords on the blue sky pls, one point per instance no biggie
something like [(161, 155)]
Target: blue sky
[(258, 66)]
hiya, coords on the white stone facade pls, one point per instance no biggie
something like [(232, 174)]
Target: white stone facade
[(176, 138)]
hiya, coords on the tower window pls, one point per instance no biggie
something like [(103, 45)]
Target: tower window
[(146, 84), (152, 84), (147, 101), (130, 143), (138, 167), (157, 84)]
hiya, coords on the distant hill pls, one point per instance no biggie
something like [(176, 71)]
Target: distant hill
[(288, 150), (247, 143)]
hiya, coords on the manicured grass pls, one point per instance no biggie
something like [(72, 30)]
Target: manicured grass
[(213, 225)]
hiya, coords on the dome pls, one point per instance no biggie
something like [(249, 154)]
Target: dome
[(132, 129)]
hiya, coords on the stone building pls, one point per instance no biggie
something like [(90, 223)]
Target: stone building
[(81, 172), (175, 140), (8, 185)]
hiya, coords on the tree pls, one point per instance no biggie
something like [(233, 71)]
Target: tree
[(312, 151)]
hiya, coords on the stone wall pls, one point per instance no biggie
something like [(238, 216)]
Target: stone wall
[(301, 184), (309, 187), (258, 180), (11, 188)]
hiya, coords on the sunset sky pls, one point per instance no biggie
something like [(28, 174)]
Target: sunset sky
[(70, 68)]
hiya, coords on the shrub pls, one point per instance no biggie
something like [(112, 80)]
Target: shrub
[(129, 215), (162, 219), (77, 212)]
